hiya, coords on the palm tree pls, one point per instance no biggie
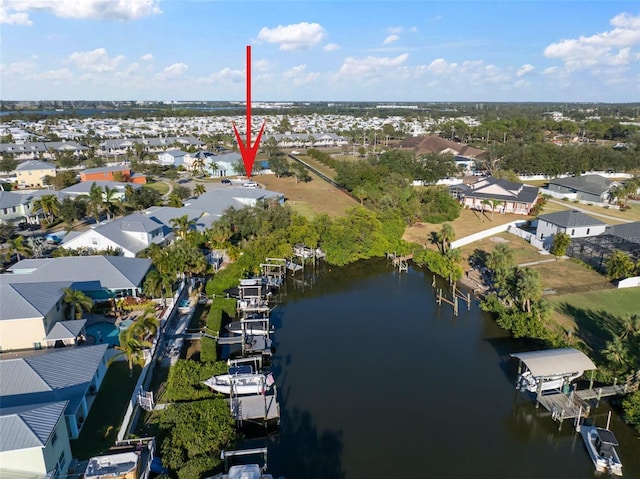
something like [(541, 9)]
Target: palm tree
[(213, 166), (78, 301), (199, 189), (95, 201), (174, 201), (219, 233), (198, 165), (182, 225), (147, 324), (360, 192), (50, 206), (619, 266), (629, 326), (528, 287), (617, 353), (493, 204), (110, 201), (446, 236), (132, 346), (18, 247), (157, 284)]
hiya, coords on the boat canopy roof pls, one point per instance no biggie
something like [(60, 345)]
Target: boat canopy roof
[(550, 362), (607, 436)]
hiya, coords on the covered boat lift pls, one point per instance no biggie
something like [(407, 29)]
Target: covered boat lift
[(550, 365)]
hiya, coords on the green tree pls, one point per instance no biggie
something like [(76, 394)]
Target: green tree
[(360, 192), (174, 201), (445, 236), (18, 247), (619, 266), (561, 242), (132, 347), (77, 301), (157, 285), (199, 189), (528, 287), (631, 406), (95, 201), (301, 172), (182, 226), (50, 206), (8, 164), (501, 263), (111, 202)]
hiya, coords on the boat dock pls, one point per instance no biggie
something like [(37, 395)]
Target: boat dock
[(259, 408)]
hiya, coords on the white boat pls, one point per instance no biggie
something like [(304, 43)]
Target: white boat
[(528, 382), (255, 326), (601, 444), (240, 383)]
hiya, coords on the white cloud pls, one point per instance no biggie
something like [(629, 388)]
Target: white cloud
[(331, 47), (365, 66), (394, 30), (441, 67), (391, 39), (172, 72), (97, 60), (147, 57), (16, 18), (263, 66), (413, 29), (226, 76), (297, 36), (123, 10), (612, 47), (299, 76), (62, 74), (22, 69), (524, 69)]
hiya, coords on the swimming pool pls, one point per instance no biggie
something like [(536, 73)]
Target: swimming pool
[(104, 333)]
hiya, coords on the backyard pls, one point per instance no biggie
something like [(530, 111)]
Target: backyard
[(100, 428)]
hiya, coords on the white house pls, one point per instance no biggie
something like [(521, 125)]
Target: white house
[(172, 157), (574, 223)]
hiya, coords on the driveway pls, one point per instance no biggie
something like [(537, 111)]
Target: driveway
[(589, 212)]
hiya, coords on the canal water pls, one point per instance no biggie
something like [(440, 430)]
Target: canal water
[(378, 381)]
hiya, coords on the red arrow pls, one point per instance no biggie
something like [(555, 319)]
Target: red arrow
[(247, 150)]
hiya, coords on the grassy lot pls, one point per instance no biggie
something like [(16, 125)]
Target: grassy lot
[(321, 167), (593, 316), (160, 186), (101, 426), (469, 222), (311, 198)]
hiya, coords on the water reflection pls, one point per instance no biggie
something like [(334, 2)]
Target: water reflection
[(376, 380)]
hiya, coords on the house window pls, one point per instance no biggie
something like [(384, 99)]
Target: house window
[(588, 230), (37, 346), (573, 232)]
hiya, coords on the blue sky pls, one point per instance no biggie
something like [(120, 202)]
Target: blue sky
[(316, 50)]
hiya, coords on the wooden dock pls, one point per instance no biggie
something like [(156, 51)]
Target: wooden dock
[(604, 391), (257, 408), (564, 406), (400, 261)]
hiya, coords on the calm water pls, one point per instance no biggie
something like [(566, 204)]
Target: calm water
[(377, 381)]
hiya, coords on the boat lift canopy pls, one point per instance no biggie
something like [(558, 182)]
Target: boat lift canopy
[(554, 362)]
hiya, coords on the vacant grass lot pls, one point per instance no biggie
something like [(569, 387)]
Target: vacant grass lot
[(101, 426), (593, 316), (311, 198)]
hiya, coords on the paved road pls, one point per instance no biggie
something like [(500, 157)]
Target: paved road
[(589, 212)]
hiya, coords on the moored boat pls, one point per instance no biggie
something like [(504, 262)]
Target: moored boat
[(255, 326), (240, 384), (600, 444)]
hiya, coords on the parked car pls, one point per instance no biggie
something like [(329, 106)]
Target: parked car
[(226, 181)]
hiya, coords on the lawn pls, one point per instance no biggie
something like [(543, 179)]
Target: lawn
[(469, 222), (311, 198), (160, 186), (594, 315), (101, 426)]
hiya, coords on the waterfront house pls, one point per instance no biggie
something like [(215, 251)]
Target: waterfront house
[(46, 398), (32, 173), (32, 295), (216, 201), (574, 223), (500, 196)]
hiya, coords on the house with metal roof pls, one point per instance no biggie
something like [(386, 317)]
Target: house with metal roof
[(132, 233), (14, 206), (45, 399), (172, 157), (216, 201), (590, 188), (500, 196), (33, 314), (32, 173), (84, 188), (571, 222)]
